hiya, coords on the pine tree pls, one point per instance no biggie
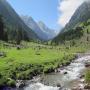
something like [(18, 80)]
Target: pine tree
[(1, 28), (19, 35)]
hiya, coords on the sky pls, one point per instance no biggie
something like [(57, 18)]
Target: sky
[(54, 13)]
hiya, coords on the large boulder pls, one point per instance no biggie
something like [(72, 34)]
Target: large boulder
[(87, 64), (87, 87), (58, 85), (65, 72)]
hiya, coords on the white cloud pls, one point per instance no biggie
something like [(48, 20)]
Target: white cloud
[(66, 9)]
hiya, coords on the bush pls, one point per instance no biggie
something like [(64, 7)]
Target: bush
[(11, 82), (3, 81), (87, 76), (48, 69), (25, 75)]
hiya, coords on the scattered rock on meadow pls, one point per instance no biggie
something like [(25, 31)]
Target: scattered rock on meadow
[(2, 54)]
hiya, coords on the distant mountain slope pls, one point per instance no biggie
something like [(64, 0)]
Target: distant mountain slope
[(34, 26), (14, 20), (74, 29), (82, 14), (79, 35), (43, 32), (50, 32)]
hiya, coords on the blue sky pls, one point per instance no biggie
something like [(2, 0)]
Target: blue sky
[(40, 10), (54, 13)]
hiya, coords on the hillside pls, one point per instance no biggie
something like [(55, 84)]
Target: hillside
[(13, 21), (34, 26), (82, 14), (51, 33), (77, 26)]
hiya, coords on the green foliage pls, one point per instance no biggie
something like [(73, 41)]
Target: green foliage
[(87, 76), (11, 82), (12, 33), (1, 28), (3, 81), (69, 35)]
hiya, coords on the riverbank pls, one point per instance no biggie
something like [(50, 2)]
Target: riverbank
[(32, 60), (22, 72), (74, 79)]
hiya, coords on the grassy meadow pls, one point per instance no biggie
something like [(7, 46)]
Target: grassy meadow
[(32, 59)]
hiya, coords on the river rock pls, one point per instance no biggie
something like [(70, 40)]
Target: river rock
[(65, 72), (82, 76), (87, 87), (68, 63), (18, 47), (56, 71), (87, 64), (80, 86), (82, 80), (20, 84), (76, 88), (58, 85)]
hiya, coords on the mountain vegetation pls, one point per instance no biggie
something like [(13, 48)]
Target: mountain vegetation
[(77, 28), (82, 14), (13, 23), (1, 28)]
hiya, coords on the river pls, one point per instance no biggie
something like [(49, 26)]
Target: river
[(69, 80)]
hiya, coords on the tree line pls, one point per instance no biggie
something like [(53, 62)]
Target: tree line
[(11, 33)]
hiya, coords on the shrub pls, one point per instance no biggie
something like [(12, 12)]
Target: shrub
[(11, 82), (3, 81), (87, 76)]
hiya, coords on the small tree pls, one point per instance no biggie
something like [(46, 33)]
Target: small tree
[(1, 28), (87, 38), (87, 76), (5, 38), (19, 35)]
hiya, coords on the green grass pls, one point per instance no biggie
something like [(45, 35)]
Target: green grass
[(30, 56), (30, 61), (87, 76)]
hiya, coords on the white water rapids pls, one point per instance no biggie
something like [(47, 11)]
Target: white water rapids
[(67, 81), (39, 86), (73, 72)]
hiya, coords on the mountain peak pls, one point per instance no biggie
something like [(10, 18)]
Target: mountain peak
[(42, 26), (41, 23)]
